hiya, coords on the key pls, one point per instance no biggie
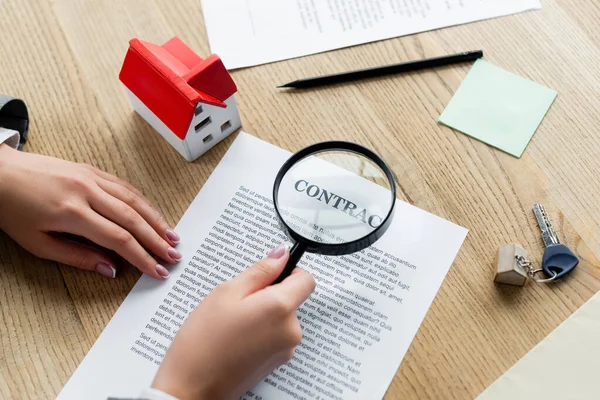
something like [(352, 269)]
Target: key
[(558, 259)]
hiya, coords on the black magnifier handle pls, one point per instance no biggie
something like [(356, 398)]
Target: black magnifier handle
[(296, 253)]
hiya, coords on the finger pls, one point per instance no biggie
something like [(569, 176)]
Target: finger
[(296, 288), (129, 219), (111, 178), (141, 205), (120, 182), (109, 235), (76, 255), (261, 274)]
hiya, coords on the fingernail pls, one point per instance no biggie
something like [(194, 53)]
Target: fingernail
[(106, 270), (173, 236), (162, 271), (157, 212), (174, 254), (277, 252)]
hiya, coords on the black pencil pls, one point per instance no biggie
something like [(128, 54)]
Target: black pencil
[(385, 70)]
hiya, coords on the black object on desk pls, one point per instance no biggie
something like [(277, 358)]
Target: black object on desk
[(385, 70), (14, 116)]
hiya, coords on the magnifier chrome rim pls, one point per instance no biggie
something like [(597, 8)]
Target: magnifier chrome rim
[(336, 248)]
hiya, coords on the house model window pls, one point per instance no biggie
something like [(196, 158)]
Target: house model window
[(188, 100), (203, 124)]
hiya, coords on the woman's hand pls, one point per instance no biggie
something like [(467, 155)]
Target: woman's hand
[(240, 333), (42, 197)]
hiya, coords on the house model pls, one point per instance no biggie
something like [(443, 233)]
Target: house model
[(187, 99)]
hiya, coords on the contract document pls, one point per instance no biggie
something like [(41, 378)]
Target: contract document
[(357, 325)]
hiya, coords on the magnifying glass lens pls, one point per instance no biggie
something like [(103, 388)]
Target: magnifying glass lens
[(334, 197)]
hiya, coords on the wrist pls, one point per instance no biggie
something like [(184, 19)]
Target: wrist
[(184, 389), (180, 392), (155, 394), (6, 154)]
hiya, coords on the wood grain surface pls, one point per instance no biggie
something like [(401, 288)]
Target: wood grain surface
[(63, 58)]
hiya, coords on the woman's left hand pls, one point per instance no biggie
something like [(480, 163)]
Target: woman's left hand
[(42, 197)]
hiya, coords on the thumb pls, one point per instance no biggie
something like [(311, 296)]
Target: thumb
[(74, 254), (261, 274)]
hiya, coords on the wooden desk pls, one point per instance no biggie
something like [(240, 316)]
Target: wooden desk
[(63, 58)]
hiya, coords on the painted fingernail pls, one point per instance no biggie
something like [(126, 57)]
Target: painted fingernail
[(278, 251), (174, 254), (162, 271), (106, 270), (173, 236)]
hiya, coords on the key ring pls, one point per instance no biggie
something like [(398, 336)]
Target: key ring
[(526, 265)]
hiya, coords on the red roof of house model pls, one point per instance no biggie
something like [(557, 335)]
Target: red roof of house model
[(171, 80)]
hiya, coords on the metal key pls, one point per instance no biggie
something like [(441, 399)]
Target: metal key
[(558, 259)]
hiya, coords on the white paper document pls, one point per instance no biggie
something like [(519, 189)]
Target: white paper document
[(563, 366), (357, 325), (251, 32)]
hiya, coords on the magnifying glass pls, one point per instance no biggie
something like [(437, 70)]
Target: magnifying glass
[(333, 198)]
